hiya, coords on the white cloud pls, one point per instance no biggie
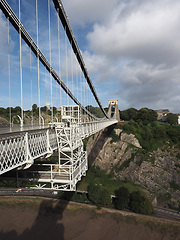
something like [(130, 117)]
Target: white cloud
[(146, 33), (132, 52), (140, 44)]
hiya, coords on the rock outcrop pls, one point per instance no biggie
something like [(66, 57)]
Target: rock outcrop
[(157, 171)]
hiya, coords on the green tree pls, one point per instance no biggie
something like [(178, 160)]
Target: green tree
[(159, 132), (94, 193), (98, 195), (140, 204), (122, 198), (43, 109), (95, 111), (174, 133), (129, 114), (34, 107), (172, 118), (17, 110), (54, 110), (146, 115), (105, 197)]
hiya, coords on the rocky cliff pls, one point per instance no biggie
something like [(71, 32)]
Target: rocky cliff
[(121, 154)]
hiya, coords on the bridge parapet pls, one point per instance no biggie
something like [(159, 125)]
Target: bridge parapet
[(20, 150)]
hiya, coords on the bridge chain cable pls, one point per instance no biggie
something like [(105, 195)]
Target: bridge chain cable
[(8, 12), (65, 22)]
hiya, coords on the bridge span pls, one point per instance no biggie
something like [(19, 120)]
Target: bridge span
[(21, 147)]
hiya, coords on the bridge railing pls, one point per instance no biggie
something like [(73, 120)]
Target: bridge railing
[(90, 128), (21, 149), (18, 128)]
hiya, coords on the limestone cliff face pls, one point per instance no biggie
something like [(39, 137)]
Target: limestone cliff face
[(107, 154), (158, 171)]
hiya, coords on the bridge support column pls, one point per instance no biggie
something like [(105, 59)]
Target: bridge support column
[(72, 158)]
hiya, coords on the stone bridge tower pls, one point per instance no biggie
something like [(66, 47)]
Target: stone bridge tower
[(113, 107)]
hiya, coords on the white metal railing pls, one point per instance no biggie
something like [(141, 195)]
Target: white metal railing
[(21, 149)]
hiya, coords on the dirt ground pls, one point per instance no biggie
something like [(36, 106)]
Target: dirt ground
[(52, 220)]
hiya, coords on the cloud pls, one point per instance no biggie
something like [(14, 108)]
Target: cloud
[(83, 12), (130, 47), (144, 85), (138, 49), (148, 33)]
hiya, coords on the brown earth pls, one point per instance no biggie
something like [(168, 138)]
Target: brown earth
[(35, 219)]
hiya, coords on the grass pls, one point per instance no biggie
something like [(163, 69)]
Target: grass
[(98, 176), (11, 202)]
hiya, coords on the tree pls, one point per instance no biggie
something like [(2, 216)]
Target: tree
[(94, 193), (98, 195), (95, 111), (146, 115), (172, 118), (34, 107), (17, 110), (159, 132), (43, 109), (105, 197), (129, 114), (54, 110), (122, 198), (140, 204), (174, 133)]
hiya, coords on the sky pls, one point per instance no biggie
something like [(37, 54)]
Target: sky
[(131, 49)]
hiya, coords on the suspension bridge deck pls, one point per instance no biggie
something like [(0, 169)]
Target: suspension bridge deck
[(21, 146)]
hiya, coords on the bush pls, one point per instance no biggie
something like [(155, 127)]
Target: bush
[(98, 195), (122, 198), (153, 135), (172, 118), (143, 115), (105, 197), (140, 204), (114, 136)]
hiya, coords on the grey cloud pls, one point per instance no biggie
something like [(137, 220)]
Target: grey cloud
[(141, 42), (82, 12)]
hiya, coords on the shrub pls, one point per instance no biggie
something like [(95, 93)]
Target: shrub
[(122, 198), (172, 118), (114, 136), (140, 204), (98, 195)]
